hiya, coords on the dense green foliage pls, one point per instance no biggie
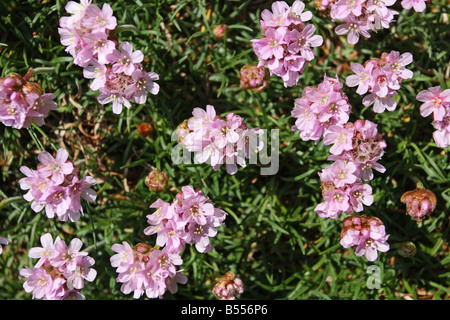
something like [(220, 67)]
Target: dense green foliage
[(272, 238)]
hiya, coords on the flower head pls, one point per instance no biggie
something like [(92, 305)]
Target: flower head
[(420, 202), (366, 235)]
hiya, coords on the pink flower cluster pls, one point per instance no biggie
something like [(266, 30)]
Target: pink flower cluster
[(117, 73), (319, 108), (360, 17), (190, 218), (220, 141), (143, 268), (288, 42), (56, 186), (381, 78), (366, 235), (417, 5), (23, 103), (356, 148), (436, 102), (61, 270)]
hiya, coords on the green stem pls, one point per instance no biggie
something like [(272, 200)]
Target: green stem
[(45, 135), (7, 201), (35, 139)]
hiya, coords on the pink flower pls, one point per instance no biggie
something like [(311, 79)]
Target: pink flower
[(57, 167), (144, 82), (435, 100), (398, 62), (278, 16), (343, 8), (296, 14), (96, 71), (45, 253), (99, 20), (340, 137), (361, 78), (114, 96), (81, 189), (335, 202), (303, 41), (353, 28), (271, 45), (126, 59), (124, 257), (65, 255), (97, 46), (83, 271), (418, 5)]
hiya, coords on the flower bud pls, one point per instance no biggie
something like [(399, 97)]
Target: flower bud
[(220, 30), (407, 249), (420, 202), (228, 287), (145, 129), (254, 78), (156, 180)]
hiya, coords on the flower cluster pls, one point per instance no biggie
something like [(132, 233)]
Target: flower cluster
[(319, 108), (360, 17), (417, 5), (117, 72), (61, 270), (381, 78), (436, 102), (23, 103), (356, 148), (143, 268), (366, 235), (190, 218), (56, 186), (220, 141), (254, 78), (420, 202), (228, 287), (3, 242), (288, 42)]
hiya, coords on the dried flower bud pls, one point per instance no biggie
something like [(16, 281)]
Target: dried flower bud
[(145, 129), (220, 30), (254, 78), (228, 287), (407, 249), (156, 180), (420, 202)]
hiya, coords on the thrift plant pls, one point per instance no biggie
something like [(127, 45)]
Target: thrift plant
[(283, 150)]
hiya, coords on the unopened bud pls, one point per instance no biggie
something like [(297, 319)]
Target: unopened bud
[(407, 249), (220, 30), (145, 129), (156, 180), (254, 78), (228, 287), (420, 202)]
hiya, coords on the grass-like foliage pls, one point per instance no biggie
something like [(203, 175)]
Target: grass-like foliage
[(271, 238)]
